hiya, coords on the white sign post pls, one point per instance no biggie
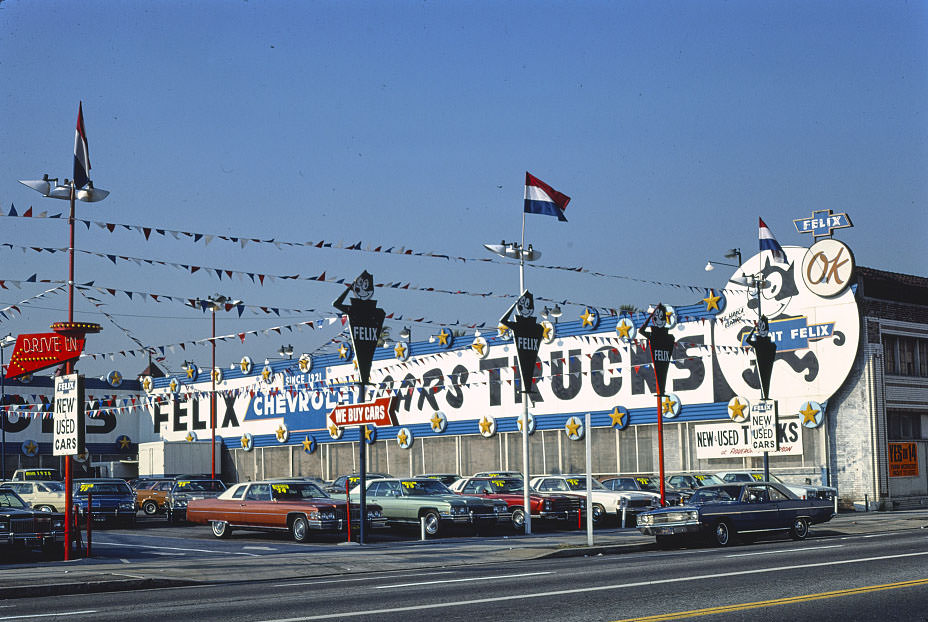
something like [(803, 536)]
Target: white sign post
[(69, 415)]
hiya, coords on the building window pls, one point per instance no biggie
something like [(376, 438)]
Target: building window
[(905, 356), (904, 426)]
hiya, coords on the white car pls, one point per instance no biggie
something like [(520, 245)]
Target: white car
[(44, 496), (606, 503), (803, 491)]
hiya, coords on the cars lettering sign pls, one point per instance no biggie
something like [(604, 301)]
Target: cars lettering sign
[(368, 413), (69, 415)]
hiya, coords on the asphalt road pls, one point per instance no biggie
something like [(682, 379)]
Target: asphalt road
[(881, 576)]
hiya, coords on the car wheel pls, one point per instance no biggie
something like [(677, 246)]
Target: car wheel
[(518, 519), (432, 523), (44, 508), (599, 515), (799, 529), (221, 528), (150, 507), (724, 534), (299, 529)]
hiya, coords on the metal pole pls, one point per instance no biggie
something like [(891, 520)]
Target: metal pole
[(212, 403), (660, 423), (589, 481), (526, 502), (362, 464), (68, 479), (3, 415)]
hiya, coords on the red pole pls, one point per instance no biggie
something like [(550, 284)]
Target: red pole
[(660, 423), (348, 506), (212, 404), (89, 518)]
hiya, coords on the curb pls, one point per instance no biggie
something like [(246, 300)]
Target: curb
[(91, 587)]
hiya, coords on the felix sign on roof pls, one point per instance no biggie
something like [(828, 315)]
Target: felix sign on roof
[(822, 223)]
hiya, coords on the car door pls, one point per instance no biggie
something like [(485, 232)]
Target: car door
[(255, 506), (757, 511)]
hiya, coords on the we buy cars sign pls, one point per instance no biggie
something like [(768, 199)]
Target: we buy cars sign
[(41, 350), (375, 413)]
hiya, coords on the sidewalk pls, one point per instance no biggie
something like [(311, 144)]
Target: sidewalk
[(83, 576)]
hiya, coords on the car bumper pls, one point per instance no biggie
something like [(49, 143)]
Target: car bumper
[(502, 518), (670, 529), (565, 515)]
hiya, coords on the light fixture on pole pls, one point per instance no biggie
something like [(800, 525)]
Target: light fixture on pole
[(554, 313), (5, 342), (405, 334), (731, 254), (216, 302), (515, 250), (286, 351), (79, 188)]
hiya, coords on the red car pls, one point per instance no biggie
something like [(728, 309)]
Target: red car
[(564, 509)]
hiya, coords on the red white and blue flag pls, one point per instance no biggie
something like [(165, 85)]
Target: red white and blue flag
[(540, 198), (81, 152), (769, 243)]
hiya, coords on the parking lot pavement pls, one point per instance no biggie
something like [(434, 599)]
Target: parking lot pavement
[(110, 572)]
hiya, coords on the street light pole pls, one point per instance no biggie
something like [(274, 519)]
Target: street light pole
[(4, 343)]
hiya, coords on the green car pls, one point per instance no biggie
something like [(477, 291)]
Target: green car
[(408, 501)]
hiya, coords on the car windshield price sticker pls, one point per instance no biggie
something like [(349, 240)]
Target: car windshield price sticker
[(86, 487), (69, 415), (280, 488)]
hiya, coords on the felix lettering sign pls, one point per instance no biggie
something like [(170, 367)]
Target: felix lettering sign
[(38, 351), (763, 430), (369, 413), (69, 415), (822, 223)]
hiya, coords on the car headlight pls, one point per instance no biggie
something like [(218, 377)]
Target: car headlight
[(126, 506), (374, 514), (180, 502), (327, 515), (655, 502), (500, 509), (645, 519), (459, 509), (58, 524), (547, 504)]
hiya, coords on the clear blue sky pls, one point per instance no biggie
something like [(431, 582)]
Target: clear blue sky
[(672, 125)]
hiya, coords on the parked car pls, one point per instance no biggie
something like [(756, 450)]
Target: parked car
[(803, 491), (406, 501), (650, 485), (338, 485), (298, 506), (719, 513), (688, 483), (42, 496), (152, 495), (544, 506), (445, 478), (112, 500), (185, 490), (22, 526), (497, 474), (37, 474), (607, 504)]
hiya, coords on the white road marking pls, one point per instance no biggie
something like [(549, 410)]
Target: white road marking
[(124, 560), (505, 576), (50, 615), (811, 548), (378, 578), (598, 588), (171, 553), (258, 548), (172, 548)]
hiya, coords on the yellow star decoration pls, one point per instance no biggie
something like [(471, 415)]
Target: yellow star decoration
[(617, 416), (587, 318), (573, 427), (668, 404), (307, 444), (399, 350), (217, 375), (808, 414), (189, 437), (191, 370), (146, 384), (436, 421), (737, 409), (502, 330), (304, 364), (245, 364), (485, 425), (443, 337), (546, 334), (342, 352), (245, 442), (281, 433), (116, 378), (712, 301), (31, 447), (367, 433), (624, 329), (124, 441), (478, 347), (333, 430), (402, 438), (266, 374), (173, 386), (519, 420)]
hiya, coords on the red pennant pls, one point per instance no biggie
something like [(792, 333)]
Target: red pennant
[(28, 212), (242, 337)]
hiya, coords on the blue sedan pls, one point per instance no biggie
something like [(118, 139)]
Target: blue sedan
[(719, 513)]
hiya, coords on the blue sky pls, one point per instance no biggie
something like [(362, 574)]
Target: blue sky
[(672, 126)]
